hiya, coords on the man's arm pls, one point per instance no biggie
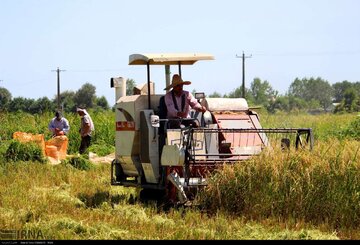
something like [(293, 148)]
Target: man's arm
[(51, 126), (66, 127), (195, 104)]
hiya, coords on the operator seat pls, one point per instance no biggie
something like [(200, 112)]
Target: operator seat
[(162, 114)]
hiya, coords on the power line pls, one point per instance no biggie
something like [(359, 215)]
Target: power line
[(243, 71), (300, 54), (58, 86), (98, 70)]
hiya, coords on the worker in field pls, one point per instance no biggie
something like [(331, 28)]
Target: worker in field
[(178, 102), (59, 125), (86, 129)]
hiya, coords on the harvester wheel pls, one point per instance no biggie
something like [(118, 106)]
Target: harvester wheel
[(119, 173), (147, 195)]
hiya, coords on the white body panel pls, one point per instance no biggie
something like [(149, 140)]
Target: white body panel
[(128, 136)]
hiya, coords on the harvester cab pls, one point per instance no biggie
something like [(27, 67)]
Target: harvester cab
[(172, 164)]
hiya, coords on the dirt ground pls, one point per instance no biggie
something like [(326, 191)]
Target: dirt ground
[(95, 159), (105, 159)]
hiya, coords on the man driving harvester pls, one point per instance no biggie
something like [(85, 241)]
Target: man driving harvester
[(178, 103)]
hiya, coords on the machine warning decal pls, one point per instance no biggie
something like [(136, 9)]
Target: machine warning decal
[(125, 126), (128, 125)]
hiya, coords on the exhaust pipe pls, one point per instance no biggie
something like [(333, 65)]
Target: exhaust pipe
[(119, 83)]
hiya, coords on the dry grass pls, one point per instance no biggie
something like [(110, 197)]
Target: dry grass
[(321, 187), (67, 203)]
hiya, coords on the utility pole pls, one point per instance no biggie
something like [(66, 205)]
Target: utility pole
[(243, 71), (58, 87)]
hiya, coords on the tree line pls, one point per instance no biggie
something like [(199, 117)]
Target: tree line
[(304, 94), (84, 97)]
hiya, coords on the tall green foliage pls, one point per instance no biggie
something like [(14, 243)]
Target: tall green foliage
[(351, 131), (103, 136)]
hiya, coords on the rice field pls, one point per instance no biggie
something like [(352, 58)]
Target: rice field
[(277, 195)]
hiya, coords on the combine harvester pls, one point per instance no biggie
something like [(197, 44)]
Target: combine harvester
[(172, 164)]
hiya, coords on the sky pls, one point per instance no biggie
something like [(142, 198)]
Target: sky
[(90, 42)]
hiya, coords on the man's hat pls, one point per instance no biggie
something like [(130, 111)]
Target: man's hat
[(176, 80)]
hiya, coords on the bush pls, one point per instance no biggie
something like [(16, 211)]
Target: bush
[(79, 162), (29, 151), (353, 131)]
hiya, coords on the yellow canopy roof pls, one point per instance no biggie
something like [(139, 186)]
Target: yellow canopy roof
[(168, 59)]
